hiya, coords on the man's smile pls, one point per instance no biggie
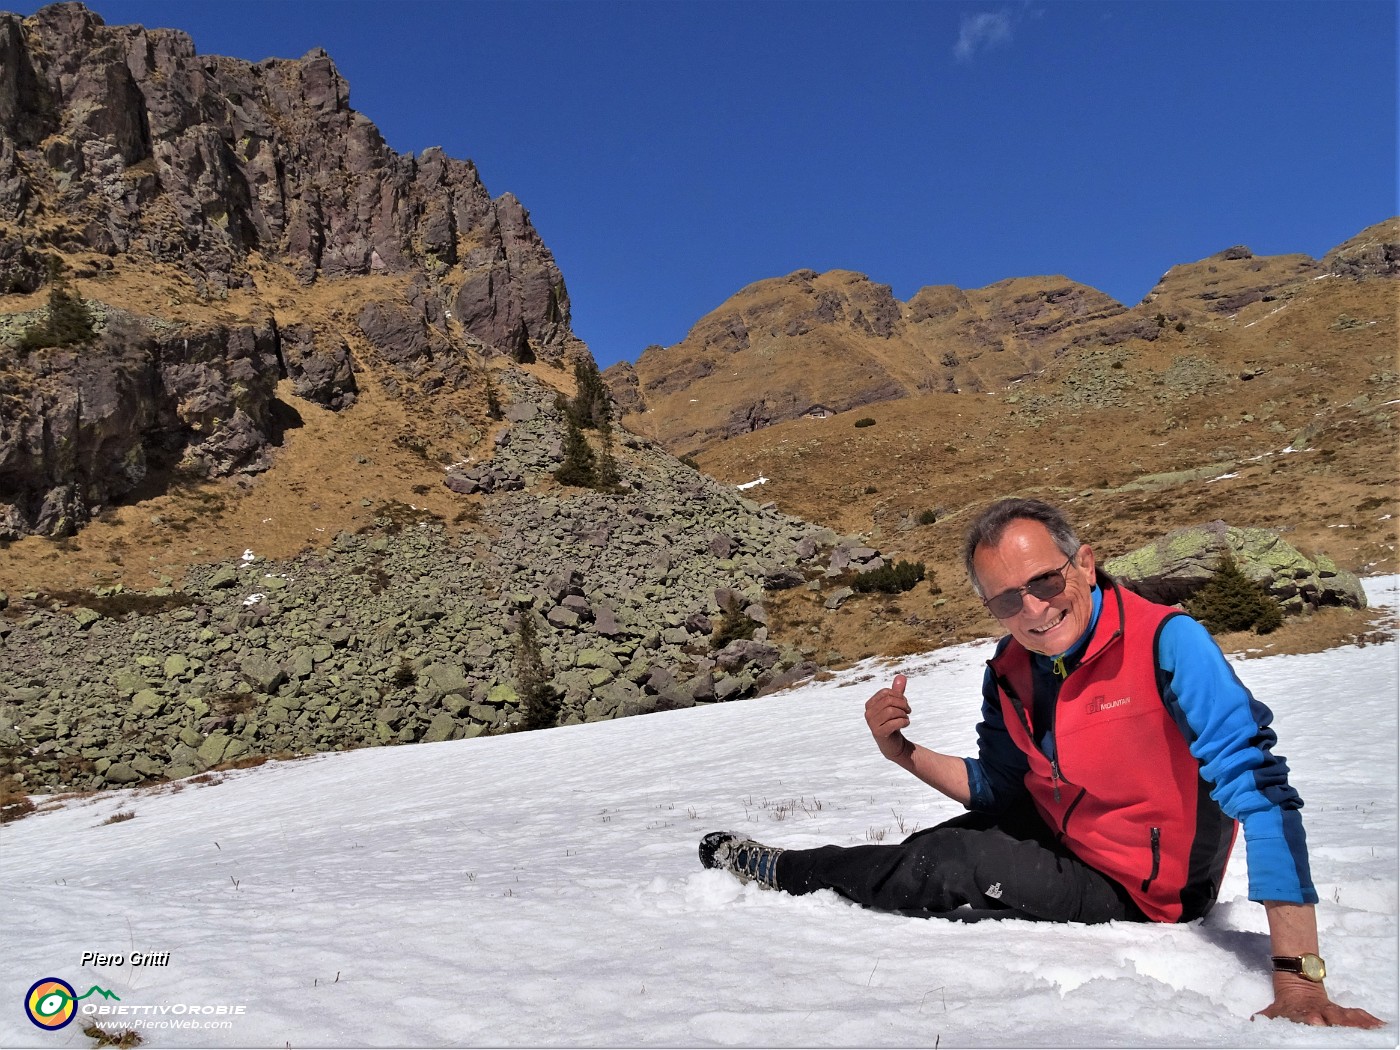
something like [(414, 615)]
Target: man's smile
[(1050, 626)]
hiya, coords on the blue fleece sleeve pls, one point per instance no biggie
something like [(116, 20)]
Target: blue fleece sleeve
[(996, 775), (1229, 734)]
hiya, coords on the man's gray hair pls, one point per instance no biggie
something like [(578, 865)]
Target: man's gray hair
[(987, 529)]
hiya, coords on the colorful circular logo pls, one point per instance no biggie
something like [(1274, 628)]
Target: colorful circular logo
[(51, 1003)]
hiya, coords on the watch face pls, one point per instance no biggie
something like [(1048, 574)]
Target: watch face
[(1314, 969)]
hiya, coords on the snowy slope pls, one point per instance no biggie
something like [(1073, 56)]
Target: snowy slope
[(543, 889)]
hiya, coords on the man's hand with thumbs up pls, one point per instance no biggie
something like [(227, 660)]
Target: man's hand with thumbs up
[(887, 715)]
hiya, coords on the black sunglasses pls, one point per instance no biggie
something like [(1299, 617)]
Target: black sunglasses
[(1045, 586)]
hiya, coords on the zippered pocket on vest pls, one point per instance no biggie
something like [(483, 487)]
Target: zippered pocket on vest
[(1069, 812), (1156, 858)]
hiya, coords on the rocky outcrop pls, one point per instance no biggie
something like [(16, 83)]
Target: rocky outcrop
[(319, 366), (1173, 568), (125, 142), (1226, 283), (818, 344), (1374, 252), (84, 427), (408, 631), (140, 147)]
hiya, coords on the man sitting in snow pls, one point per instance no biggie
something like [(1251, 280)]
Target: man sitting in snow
[(1116, 751)]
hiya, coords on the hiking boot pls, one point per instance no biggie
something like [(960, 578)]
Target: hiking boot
[(745, 859)]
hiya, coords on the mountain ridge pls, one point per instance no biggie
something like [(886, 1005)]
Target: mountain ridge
[(860, 345)]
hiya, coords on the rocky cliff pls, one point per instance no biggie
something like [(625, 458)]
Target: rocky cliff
[(123, 151)]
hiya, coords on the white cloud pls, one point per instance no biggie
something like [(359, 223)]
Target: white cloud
[(982, 31)]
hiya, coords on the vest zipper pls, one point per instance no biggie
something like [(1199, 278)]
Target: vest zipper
[(1156, 858), (1056, 777)]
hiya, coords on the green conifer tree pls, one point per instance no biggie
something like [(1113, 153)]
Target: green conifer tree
[(493, 400), (591, 406), (609, 473), (69, 321), (1231, 601), (580, 467), (539, 701), (733, 624)]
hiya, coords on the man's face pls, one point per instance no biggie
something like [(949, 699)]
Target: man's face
[(1025, 551)]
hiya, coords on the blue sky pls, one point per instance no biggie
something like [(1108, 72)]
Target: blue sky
[(672, 152)]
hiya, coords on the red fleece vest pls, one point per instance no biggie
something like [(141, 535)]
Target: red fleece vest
[(1124, 792)]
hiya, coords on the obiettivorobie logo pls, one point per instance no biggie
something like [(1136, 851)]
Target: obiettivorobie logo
[(51, 1002)]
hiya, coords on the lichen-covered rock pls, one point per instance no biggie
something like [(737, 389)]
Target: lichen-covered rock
[(1174, 567), (440, 728)]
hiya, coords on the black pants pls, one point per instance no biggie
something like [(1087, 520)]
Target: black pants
[(971, 867)]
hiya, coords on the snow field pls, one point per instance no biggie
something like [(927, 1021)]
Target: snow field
[(542, 889)]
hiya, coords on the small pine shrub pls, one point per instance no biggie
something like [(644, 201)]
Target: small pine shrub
[(69, 321), (493, 401), (890, 579), (539, 701), (927, 517), (732, 625), (865, 422), (1231, 601), (609, 474), (404, 675)]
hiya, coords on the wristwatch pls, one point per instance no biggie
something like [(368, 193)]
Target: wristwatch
[(1306, 965)]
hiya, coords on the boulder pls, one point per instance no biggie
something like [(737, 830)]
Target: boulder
[(263, 672), (440, 728), (1171, 569), (319, 367)]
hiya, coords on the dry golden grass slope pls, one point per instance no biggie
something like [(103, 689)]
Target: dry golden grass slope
[(1282, 415)]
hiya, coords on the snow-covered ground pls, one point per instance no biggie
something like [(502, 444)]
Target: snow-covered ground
[(542, 889)]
